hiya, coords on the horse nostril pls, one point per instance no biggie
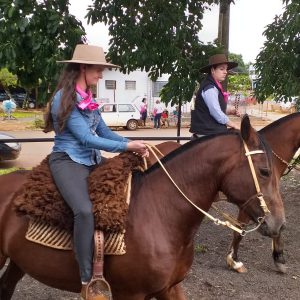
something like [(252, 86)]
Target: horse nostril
[(283, 226)]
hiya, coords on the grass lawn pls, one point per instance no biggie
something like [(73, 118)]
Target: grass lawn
[(9, 170), (21, 114)]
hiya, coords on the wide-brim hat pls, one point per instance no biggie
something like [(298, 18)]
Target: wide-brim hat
[(89, 55), (218, 59)]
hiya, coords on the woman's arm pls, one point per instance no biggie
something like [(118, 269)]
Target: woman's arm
[(81, 131), (211, 99)]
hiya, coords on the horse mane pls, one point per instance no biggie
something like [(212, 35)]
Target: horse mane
[(204, 139), (279, 122), (187, 146)]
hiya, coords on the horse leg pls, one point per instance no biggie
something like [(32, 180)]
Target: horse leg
[(174, 293), (9, 280), (277, 252), (232, 256)]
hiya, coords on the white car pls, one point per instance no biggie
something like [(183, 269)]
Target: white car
[(124, 115)]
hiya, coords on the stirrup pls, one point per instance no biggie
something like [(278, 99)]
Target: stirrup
[(98, 282)]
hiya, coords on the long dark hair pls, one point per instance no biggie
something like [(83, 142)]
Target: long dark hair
[(66, 83)]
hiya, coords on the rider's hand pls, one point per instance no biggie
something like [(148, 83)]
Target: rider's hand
[(138, 147)]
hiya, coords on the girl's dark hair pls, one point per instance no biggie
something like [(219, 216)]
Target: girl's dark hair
[(66, 83)]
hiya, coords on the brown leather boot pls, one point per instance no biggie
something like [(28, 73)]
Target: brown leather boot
[(90, 293)]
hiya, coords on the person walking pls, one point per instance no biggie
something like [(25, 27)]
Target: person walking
[(80, 133), (143, 111), (157, 111)]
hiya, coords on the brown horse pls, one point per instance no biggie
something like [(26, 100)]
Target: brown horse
[(283, 136), (161, 225)]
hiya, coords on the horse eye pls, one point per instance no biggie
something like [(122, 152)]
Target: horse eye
[(265, 172)]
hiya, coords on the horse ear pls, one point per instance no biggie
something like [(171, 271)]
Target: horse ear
[(247, 131)]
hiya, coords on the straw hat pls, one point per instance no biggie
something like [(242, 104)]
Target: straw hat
[(89, 55), (218, 59)]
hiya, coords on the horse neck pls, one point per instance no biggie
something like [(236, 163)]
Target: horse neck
[(284, 140), (197, 172)]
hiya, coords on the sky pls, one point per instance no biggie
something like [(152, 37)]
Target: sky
[(248, 20)]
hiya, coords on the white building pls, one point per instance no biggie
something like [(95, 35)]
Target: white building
[(116, 87)]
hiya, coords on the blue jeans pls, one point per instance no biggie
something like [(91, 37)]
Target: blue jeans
[(157, 121), (71, 180)]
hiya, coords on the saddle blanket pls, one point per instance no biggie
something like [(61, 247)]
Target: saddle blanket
[(57, 238)]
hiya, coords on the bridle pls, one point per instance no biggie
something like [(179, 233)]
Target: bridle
[(228, 223), (289, 166)]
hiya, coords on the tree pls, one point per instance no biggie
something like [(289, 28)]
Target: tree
[(278, 63), (159, 37), (239, 83), (33, 36), (7, 79), (241, 68)]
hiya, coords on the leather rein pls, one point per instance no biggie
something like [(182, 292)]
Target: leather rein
[(231, 222), (289, 166)]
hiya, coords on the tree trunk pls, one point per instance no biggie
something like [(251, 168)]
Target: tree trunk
[(223, 31)]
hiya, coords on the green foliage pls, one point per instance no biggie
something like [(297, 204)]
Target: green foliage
[(201, 248), (9, 170), (7, 79), (158, 37), (33, 36), (19, 114), (241, 68), (39, 123), (239, 83), (278, 64)]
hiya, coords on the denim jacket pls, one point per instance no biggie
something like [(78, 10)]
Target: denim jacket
[(84, 135)]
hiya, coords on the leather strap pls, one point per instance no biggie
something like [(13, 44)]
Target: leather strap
[(98, 254)]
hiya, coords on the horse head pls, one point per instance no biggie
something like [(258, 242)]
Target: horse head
[(253, 184)]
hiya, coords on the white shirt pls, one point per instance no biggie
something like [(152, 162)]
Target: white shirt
[(159, 108)]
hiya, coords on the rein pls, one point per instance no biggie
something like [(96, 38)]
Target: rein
[(290, 167), (216, 221)]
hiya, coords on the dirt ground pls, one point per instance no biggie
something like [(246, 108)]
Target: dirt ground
[(209, 277)]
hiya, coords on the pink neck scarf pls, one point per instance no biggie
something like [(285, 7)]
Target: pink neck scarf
[(86, 101), (225, 94)]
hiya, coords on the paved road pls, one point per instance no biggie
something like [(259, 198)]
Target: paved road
[(33, 153)]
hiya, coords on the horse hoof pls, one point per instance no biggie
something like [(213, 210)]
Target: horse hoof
[(236, 266), (241, 269), (281, 268)]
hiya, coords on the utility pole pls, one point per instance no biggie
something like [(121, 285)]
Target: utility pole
[(223, 30)]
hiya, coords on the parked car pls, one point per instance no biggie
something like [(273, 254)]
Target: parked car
[(20, 98), (120, 115), (3, 96), (9, 151)]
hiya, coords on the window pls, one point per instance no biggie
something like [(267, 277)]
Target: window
[(130, 85), (126, 108), (110, 84), (108, 108), (157, 87)]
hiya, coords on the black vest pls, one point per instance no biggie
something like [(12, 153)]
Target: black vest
[(201, 120)]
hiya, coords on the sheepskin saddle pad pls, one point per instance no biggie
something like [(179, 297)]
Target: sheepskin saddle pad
[(108, 188)]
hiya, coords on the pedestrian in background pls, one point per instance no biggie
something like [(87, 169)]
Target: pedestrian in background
[(143, 111), (157, 111)]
